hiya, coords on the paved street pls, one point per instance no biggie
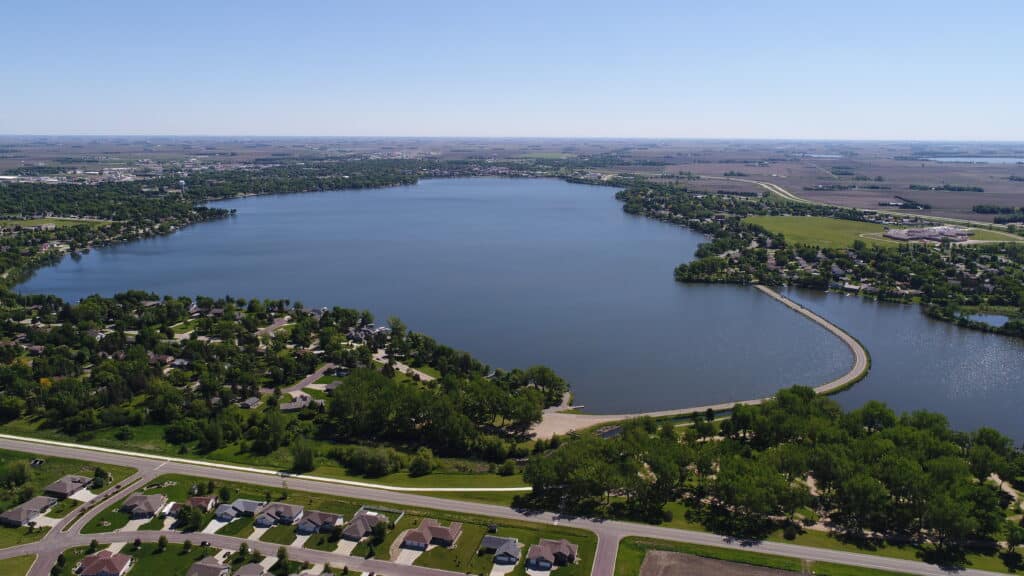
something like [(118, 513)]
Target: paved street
[(609, 532)]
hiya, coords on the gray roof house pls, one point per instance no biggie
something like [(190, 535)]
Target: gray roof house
[(246, 507), (208, 566), (140, 505), (251, 570), (548, 553), (226, 513), (315, 521), (26, 512), (67, 485), (250, 403), (278, 513), (505, 550), (362, 525)]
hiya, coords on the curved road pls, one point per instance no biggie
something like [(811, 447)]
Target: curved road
[(556, 421), (609, 532)]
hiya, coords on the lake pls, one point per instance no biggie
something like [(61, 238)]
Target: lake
[(972, 377), (539, 271), (515, 271)]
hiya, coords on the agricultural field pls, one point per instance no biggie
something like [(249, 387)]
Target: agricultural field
[(820, 231)]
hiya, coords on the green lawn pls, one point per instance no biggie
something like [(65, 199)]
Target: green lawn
[(58, 222), (157, 523), (17, 566), (171, 562), (18, 536), (994, 235), (241, 527), (321, 542), (280, 535), (62, 508), (819, 231)]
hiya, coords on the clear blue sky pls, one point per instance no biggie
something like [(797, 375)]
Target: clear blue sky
[(759, 69)]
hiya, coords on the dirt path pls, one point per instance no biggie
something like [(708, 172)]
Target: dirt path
[(560, 422)]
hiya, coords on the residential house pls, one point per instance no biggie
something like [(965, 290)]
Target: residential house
[(105, 563), (246, 507), (250, 403), (140, 505), (205, 503), (226, 513), (26, 512), (548, 553), (430, 532), (362, 525), (314, 521), (65, 486), (278, 513), (208, 566), (505, 550), (251, 570)]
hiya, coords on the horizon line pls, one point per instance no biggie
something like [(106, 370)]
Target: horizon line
[(422, 137)]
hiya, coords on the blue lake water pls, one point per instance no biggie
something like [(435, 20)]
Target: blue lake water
[(522, 272), (917, 363), (515, 271)]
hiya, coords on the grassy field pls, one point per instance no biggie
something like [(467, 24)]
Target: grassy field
[(994, 235), (17, 566), (819, 231), (633, 550), (58, 222), (150, 439)]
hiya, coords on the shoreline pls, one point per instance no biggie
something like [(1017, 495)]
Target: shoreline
[(558, 421)]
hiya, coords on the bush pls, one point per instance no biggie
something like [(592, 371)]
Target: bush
[(789, 532), (422, 464), (371, 462), (508, 468)]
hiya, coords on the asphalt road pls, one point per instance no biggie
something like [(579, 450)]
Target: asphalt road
[(609, 532)]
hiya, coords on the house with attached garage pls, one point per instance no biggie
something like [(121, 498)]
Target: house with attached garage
[(278, 513)]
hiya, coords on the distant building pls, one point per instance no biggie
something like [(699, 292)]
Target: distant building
[(934, 234)]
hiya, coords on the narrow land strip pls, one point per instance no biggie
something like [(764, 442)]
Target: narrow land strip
[(558, 422)]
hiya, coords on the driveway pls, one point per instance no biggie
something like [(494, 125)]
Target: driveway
[(407, 557), (214, 525)]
